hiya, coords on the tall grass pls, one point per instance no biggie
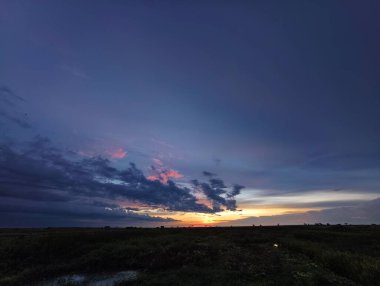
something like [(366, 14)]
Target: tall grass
[(359, 268)]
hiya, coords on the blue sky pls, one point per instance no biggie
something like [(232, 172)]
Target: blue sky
[(281, 97)]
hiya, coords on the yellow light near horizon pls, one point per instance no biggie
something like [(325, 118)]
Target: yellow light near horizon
[(207, 219), (267, 206), (198, 219)]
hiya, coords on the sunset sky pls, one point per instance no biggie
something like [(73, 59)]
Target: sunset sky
[(151, 113)]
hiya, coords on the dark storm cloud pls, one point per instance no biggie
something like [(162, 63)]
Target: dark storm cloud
[(21, 213), (208, 174), (236, 189), (79, 212), (56, 183), (34, 192), (42, 173), (217, 192)]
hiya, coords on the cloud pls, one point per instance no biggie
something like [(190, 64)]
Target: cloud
[(41, 173), (119, 154), (165, 175), (162, 174), (363, 213), (16, 213), (208, 174), (158, 162), (9, 109), (217, 192), (38, 180), (236, 189), (20, 121), (345, 161), (7, 93)]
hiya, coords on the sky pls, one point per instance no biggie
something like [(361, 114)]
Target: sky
[(180, 113)]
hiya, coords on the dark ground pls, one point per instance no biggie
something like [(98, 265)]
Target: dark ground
[(306, 255)]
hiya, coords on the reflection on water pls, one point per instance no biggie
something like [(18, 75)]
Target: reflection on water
[(93, 280)]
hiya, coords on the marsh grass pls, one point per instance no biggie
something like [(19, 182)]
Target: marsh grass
[(306, 255), (360, 268)]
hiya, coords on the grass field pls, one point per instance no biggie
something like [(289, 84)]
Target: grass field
[(305, 255)]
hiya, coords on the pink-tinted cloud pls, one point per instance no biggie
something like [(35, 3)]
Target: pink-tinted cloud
[(165, 176), (119, 154), (153, 178), (113, 153), (158, 162), (173, 174)]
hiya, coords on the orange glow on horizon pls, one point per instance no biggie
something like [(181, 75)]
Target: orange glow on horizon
[(193, 219)]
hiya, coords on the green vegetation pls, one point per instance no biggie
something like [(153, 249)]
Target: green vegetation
[(306, 255)]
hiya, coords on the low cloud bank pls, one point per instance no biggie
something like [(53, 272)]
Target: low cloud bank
[(53, 183), (363, 213)]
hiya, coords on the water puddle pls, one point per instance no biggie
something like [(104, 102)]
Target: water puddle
[(92, 279)]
